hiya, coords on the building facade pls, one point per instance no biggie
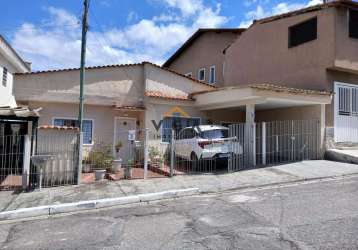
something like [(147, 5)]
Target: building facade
[(201, 56), (313, 48)]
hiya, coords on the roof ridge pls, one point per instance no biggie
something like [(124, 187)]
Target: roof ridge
[(316, 7), (193, 37)]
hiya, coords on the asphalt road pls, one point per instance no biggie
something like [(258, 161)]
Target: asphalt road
[(321, 215)]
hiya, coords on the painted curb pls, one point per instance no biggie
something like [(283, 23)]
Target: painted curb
[(25, 213), (94, 204)]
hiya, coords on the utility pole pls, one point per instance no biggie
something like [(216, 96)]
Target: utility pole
[(83, 61), (82, 80)]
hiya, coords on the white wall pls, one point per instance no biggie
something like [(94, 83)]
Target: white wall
[(6, 94)]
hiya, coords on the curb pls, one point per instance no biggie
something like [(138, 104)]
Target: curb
[(49, 210), (274, 184)]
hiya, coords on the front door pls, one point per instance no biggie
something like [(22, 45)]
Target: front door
[(122, 127), (346, 113)]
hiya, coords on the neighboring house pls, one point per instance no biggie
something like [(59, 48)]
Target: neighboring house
[(201, 56), (10, 63), (16, 122), (313, 48)]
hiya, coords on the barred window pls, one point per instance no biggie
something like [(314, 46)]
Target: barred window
[(4, 77), (344, 95), (87, 127), (176, 123)]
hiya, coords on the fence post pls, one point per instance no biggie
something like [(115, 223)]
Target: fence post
[(253, 144), (146, 153), (172, 158), (263, 140), (80, 154), (26, 162)]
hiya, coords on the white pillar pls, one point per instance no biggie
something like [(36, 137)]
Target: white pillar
[(250, 137), (322, 128), (263, 141), (146, 153), (250, 113), (26, 162)]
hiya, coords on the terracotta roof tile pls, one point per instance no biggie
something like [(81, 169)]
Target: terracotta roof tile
[(271, 87), (57, 127), (278, 88), (158, 94), (130, 107)]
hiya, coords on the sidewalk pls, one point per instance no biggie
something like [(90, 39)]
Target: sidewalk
[(206, 183)]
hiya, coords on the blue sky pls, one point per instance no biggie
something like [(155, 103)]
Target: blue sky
[(48, 32)]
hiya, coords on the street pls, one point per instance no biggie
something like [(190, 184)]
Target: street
[(316, 215)]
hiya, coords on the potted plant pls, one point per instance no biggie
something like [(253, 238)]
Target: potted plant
[(155, 157), (128, 169), (117, 162), (102, 158)]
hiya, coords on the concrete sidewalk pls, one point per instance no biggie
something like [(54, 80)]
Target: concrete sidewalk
[(206, 183)]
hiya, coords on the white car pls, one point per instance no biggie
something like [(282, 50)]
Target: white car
[(206, 142)]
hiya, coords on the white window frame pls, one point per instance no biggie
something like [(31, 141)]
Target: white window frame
[(212, 81), (350, 106), (202, 69), (189, 74), (73, 118)]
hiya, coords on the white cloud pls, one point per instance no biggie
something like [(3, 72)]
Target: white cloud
[(314, 2), (58, 46), (187, 7)]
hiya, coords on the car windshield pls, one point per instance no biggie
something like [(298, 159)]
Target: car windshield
[(214, 134)]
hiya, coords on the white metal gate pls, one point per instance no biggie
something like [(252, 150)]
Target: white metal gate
[(275, 142), (346, 113)]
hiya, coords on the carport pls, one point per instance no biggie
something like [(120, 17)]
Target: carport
[(263, 103)]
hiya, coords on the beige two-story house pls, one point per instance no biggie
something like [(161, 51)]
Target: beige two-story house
[(313, 48), (201, 56)]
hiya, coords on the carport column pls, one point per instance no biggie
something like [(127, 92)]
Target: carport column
[(250, 131), (322, 129), (26, 162)]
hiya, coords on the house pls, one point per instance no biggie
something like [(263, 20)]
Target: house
[(15, 121), (313, 48), (201, 56), (118, 98)]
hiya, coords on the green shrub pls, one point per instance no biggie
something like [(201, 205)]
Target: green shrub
[(101, 156)]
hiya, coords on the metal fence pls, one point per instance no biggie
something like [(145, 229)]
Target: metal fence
[(132, 154), (49, 160), (145, 154), (55, 160), (40, 161), (268, 143), (11, 161)]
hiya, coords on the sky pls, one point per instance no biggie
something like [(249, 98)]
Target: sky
[(47, 33)]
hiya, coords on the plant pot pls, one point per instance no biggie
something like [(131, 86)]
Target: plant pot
[(86, 168), (99, 174), (117, 165)]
